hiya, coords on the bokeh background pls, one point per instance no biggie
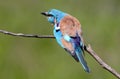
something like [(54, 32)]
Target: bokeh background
[(30, 58)]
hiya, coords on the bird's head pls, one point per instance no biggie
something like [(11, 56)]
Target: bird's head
[(54, 15)]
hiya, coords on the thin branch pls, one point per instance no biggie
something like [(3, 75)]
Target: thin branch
[(101, 62), (88, 49), (26, 35)]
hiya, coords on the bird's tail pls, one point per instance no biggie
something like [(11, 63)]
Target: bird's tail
[(79, 53)]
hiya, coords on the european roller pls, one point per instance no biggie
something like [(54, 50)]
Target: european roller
[(68, 34)]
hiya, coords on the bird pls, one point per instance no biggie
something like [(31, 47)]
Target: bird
[(68, 34)]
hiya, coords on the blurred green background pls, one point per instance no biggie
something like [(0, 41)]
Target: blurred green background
[(30, 58)]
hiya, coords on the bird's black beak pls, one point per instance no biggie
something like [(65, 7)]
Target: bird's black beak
[(46, 14)]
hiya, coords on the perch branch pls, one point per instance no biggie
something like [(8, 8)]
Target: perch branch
[(101, 62), (26, 35), (88, 49)]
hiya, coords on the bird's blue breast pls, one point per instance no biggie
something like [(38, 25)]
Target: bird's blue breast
[(57, 33), (58, 36)]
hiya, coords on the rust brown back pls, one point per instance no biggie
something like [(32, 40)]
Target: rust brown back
[(70, 25)]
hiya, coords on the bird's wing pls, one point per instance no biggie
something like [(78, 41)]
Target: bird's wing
[(70, 27)]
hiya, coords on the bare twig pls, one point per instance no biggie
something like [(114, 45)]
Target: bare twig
[(88, 49), (101, 62), (26, 35)]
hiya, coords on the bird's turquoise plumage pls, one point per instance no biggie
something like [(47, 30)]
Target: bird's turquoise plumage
[(67, 33), (58, 36)]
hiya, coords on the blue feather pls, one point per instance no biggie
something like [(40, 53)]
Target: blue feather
[(78, 45), (79, 54), (58, 36)]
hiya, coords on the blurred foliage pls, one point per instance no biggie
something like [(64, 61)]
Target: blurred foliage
[(29, 58)]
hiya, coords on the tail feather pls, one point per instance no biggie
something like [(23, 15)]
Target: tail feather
[(78, 46), (79, 54)]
